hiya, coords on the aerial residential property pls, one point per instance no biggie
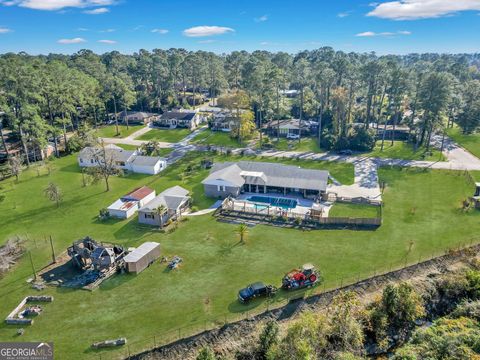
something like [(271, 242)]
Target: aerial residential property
[(179, 119), (129, 160), (129, 204), (135, 117), (239, 180), (231, 179), (169, 204)]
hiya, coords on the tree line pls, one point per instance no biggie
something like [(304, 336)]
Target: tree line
[(45, 97)]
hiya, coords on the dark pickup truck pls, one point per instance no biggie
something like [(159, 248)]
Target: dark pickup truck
[(255, 290)]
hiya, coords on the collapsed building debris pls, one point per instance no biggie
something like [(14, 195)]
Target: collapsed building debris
[(21, 315), (97, 262), (109, 343), (10, 253)]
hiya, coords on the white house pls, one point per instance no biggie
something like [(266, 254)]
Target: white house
[(129, 204), (123, 159), (179, 119)]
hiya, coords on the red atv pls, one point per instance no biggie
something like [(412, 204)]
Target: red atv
[(307, 276)]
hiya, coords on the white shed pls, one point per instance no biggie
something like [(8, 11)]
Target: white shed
[(140, 258)]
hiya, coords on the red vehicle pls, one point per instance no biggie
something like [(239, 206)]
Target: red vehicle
[(307, 276)]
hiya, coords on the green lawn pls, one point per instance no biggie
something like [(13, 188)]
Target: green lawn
[(422, 218), (218, 138), (165, 135), (470, 142), (127, 147), (354, 210), (308, 144), (110, 131), (404, 150)]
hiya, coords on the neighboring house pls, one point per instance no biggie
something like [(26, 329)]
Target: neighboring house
[(224, 121), (231, 179), (129, 204), (171, 203), (289, 127), (135, 117), (140, 258), (179, 119), (290, 93), (124, 159)]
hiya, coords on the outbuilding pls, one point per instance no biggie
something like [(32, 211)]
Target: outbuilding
[(140, 258)]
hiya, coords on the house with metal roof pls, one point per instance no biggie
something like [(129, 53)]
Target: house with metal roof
[(169, 204), (230, 179), (127, 160), (140, 258), (129, 204)]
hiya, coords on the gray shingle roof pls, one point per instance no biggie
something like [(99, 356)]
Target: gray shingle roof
[(270, 174), (171, 198), (146, 160), (117, 154), (179, 115)]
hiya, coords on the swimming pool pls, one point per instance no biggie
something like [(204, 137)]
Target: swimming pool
[(274, 201)]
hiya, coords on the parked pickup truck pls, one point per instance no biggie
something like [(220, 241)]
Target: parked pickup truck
[(255, 290)]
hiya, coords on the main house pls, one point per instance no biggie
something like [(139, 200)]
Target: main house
[(129, 204), (232, 178), (169, 204), (123, 159), (179, 119)]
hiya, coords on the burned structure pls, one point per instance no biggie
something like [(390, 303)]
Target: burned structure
[(87, 254)]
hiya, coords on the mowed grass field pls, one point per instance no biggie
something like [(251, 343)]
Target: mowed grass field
[(471, 142), (110, 131), (165, 135), (422, 218), (404, 150), (218, 138)]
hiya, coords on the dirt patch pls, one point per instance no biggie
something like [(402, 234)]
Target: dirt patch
[(232, 337)]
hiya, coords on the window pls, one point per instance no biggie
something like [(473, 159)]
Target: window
[(221, 188), (81, 160), (149, 216)]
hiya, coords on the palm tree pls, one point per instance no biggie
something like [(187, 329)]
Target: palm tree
[(53, 193), (242, 232), (160, 211)]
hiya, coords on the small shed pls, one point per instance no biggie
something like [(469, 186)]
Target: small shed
[(140, 258)]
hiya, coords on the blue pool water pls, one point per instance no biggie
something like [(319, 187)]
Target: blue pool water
[(274, 201)]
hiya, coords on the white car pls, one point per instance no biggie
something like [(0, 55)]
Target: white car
[(293, 136)]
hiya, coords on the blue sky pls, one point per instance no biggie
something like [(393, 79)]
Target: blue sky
[(402, 26)]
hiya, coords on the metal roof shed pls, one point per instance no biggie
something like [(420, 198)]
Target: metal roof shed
[(140, 258)]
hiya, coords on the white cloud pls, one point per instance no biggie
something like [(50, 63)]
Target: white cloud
[(421, 9), (344, 14), (160, 31), (366, 34), (108, 30), (52, 5), (261, 18), (4, 30), (199, 31), (97, 11), (385, 33), (109, 42), (82, 29), (77, 40), (209, 41)]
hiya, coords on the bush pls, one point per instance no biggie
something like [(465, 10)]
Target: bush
[(103, 214)]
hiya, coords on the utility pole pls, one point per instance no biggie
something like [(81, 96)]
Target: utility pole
[(33, 267), (53, 250)]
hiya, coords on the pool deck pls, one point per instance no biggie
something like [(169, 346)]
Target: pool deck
[(303, 205)]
